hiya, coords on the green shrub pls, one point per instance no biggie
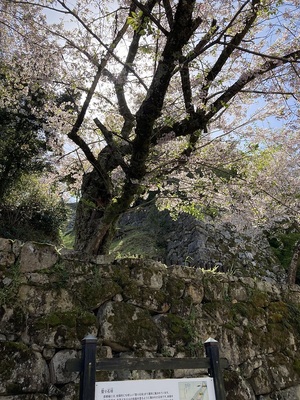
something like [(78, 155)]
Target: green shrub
[(32, 210)]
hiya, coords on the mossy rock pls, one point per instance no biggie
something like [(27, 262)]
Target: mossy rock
[(9, 292), (85, 322), (259, 298), (18, 364), (11, 354), (179, 330), (16, 321), (241, 310), (236, 387), (275, 337), (63, 329), (175, 288), (221, 312), (293, 317), (149, 299), (121, 273), (55, 319), (215, 288), (90, 294), (278, 312), (296, 366), (123, 325)]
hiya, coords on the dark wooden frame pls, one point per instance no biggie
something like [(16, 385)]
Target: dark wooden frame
[(88, 366)]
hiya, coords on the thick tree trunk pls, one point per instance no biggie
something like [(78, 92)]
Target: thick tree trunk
[(295, 263), (89, 215), (98, 213)]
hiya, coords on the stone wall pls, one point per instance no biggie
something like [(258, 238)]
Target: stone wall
[(50, 301), (204, 244)]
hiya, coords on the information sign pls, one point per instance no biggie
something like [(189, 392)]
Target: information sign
[(157, 389)]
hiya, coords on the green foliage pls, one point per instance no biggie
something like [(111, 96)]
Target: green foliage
[(23, 140), (67, 240), (194, 345), (283, 245), (146, 240), (135, 243), (32, 211), (140, 23), (296, 366), (200, 212), (9, 291)]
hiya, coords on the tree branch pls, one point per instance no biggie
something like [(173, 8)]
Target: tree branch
[(122, 103), (148, 14), (115, 151), (228, 50), (256, 53), (151, 107), (169, 12), (202, 43), (112, 46), (186, 88), (248, 77), (73, 134)]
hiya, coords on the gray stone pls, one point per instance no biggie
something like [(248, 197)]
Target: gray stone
[(58, 373), (128, 327), (7, 281), (48, 353), (196, 293), (6, 245), (37, 256), (38, 301), (22, 364), (7, 257), (148, 278)]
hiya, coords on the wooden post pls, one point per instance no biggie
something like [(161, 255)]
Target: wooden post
[(88, 368), (212, 351)]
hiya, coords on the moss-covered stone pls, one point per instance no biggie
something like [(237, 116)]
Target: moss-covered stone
[(11, 354), (294, 316), (177, 329), (127, 326), (215, 287), (15, 320), (296, 366), (9, 290), (277, 312), (55, 319), (245, 310), (121, 273), (219, 311), (175, 288), (90, 294), (85, 324), (18, 365), (275, 336), (63, 329), (155, 301), (259, 298)]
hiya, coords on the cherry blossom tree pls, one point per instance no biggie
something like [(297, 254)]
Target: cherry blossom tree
[(197, 101)]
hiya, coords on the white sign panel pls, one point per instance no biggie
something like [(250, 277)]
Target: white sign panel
[(157, 389)]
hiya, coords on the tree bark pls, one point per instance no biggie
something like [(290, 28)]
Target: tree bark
[(90, 211), (295, 262)]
